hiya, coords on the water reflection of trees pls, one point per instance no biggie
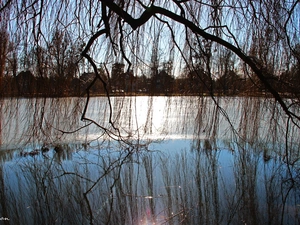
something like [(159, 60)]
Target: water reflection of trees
[(237, 164), (183, 186)]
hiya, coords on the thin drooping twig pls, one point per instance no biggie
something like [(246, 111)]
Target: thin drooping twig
[(97, 76), (121, 46)]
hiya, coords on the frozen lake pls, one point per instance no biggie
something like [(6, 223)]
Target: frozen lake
[(148, 160)]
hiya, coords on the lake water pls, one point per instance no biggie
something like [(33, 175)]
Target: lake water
[(148, 160)]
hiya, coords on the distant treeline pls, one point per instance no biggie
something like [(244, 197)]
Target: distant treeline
[(195, 82), (55, 70)]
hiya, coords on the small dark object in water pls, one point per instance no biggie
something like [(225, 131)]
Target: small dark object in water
[(267, 158), (58, 149), (34, 152), (45, 149)]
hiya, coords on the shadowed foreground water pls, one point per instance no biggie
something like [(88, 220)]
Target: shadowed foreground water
[(179, 161)]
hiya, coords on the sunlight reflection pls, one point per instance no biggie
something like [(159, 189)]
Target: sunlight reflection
[(152, 221), (160, 218)]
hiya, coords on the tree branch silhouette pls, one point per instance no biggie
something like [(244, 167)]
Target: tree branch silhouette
[(153, 10)]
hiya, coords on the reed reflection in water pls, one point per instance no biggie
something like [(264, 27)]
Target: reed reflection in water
[(187, 166)]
